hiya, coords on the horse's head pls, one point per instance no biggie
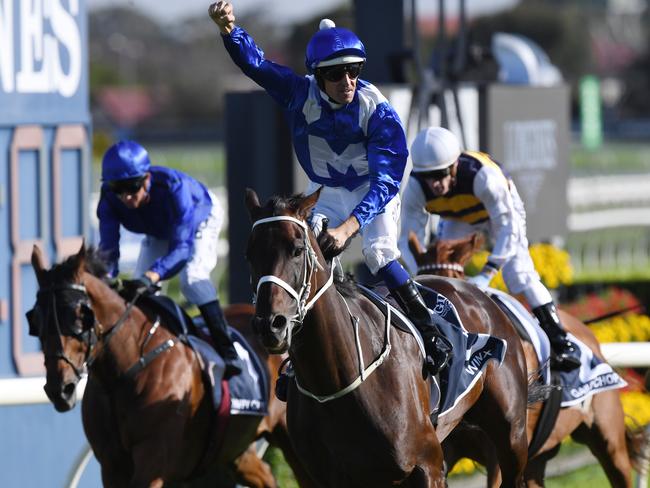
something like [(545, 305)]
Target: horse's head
[(64, 322), (284, 258), (445, 258)]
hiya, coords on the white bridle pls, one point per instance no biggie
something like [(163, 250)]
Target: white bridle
[(310, 264)]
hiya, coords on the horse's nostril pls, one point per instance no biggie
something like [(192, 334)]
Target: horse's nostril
[(68, 389), (279, 322)]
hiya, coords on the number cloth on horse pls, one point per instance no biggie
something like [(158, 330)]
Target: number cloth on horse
[(471, 351), (243, 394), (593, 376)]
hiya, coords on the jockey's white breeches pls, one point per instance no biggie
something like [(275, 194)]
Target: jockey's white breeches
[(379, 236), (518, 271), (196, 285)]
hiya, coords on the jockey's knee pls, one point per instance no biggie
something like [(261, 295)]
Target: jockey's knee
[(197, 291), (377, 257)]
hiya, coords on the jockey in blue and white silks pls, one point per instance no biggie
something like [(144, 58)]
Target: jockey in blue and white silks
[(349, 141), (181, 220), (471, 192)]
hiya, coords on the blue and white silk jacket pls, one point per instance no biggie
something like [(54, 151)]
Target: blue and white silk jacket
[(177, 205), (337, 146)]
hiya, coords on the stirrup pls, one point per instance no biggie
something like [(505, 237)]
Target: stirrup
[(439, 353)]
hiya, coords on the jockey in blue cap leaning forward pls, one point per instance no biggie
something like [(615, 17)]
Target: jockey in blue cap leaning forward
[(471, 192), (350, 142), (181, 221)]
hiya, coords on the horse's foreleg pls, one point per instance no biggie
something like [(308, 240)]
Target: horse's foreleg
[(252, 471), (605, 438), (501, 413), (280, 438), (535, 469)]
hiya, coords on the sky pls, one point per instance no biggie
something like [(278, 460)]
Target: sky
[(285, 11)]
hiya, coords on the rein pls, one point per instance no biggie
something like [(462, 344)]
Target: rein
[(88, 337), (303, 306), (310, 264), (143, 360), (91, 337)]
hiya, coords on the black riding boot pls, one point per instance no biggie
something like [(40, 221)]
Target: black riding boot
[(437, 347), (564, 350), (216, 322)]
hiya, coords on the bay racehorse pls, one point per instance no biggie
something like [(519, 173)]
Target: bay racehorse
[(599, 423), (358, 405), (156, 425)]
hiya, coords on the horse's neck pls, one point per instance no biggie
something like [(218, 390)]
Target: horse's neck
[(122, 349), (107, 304), (324, 352)]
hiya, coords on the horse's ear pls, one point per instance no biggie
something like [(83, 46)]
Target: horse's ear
[(478, 241), (308, 203), (37, 263), (415, 245), (464, 249), (80, 259), (252, 203)]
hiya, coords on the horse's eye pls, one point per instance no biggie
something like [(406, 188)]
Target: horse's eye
[(298, 251)]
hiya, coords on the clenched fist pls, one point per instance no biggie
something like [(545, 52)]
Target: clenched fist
[(222, 15)]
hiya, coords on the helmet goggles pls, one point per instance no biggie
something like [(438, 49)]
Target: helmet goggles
[(128, 186), (337, 72), (436, 174)]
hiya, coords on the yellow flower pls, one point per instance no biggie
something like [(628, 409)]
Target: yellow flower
[(636, 406), (552, 264)]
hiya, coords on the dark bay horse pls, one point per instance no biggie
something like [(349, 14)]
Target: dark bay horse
[(358, 407), (600, 425), (153, 426)]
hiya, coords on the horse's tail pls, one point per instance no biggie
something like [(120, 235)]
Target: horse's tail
[(637, 440)]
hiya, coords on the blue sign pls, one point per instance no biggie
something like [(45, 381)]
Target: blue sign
[(43, 62)]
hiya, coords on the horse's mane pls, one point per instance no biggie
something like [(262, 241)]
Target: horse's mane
[(279, 205), (94, 263)]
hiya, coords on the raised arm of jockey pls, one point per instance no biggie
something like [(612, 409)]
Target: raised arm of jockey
[(285, 86)]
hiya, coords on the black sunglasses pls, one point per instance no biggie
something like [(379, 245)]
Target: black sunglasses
[(336, 73), (437, 174), (129, 186)]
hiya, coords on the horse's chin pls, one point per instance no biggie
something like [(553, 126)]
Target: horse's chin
[(64, 405), (63, 400), (274, 345), (278, 349)]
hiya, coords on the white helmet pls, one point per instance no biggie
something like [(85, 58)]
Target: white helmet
[(434, 148)]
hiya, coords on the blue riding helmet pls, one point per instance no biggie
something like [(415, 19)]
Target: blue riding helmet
[(124, 160), (333, 45)]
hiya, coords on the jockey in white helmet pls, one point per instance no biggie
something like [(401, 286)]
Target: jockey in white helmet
[(472, 192), (350, 142)]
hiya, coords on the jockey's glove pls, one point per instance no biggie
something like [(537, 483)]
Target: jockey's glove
[(482, 280), (140, 285), (114, 283)]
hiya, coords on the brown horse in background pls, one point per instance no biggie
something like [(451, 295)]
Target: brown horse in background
[(156, 425), (599, 424), (358, 405)]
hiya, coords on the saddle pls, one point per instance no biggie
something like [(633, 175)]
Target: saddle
[(453, 382)]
